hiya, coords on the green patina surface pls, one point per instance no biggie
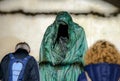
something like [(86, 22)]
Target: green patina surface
[(62, 49)]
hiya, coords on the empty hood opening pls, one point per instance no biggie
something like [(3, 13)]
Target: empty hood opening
[(62, 32)]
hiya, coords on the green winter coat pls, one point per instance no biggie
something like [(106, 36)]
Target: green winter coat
[(62, 49)]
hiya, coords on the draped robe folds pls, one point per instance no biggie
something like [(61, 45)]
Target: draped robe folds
[(62, 50)]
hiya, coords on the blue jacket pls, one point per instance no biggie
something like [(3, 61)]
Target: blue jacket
[(101, 72), (31, 70)]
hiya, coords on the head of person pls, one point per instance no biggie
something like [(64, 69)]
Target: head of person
[(102, 52), (23, 46)]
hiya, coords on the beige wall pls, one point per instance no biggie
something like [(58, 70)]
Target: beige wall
[(15, 28)]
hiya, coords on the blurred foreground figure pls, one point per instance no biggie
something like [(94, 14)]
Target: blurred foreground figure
[(62, 50), (102, 63), (19, 66)]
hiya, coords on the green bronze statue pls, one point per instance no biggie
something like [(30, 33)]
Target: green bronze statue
[(62, 50)]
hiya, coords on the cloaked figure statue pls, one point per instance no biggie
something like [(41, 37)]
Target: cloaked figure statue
[(62, 49)]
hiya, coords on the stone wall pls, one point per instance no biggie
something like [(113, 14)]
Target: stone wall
[(30, 23)]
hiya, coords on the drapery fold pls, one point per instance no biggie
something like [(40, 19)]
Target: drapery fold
[(62, 50)]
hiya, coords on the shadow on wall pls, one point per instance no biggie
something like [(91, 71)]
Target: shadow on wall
[(7, 45)]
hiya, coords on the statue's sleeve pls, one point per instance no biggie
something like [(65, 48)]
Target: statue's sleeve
[(78, 47)]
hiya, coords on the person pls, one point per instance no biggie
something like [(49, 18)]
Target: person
[(102, 63), (62, 49), (19, 65)]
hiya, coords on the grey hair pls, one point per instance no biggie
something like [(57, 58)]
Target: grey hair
[(23, 45)]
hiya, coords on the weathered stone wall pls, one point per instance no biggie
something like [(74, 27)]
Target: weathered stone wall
[(20, 26)]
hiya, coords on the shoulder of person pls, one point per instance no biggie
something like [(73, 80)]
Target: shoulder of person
[(32, 59), (6, 57)]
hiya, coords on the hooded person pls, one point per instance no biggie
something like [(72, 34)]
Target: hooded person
[(19, 65), (62, 49), (102, 63)]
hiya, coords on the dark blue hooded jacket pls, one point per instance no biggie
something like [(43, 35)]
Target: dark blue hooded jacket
[(101, 72), (31, 69)]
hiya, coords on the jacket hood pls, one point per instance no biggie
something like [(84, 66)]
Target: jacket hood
[(103, 72)]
